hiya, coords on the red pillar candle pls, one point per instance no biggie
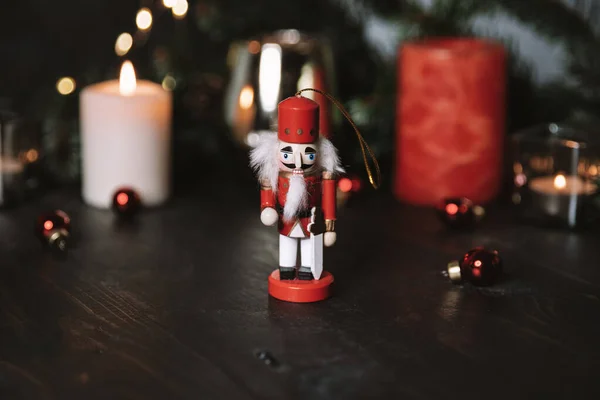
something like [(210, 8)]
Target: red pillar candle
[(450, 120)]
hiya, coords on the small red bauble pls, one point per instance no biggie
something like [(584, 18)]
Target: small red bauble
[(126, 202), (479, 266), (53, 229), (460, 212)]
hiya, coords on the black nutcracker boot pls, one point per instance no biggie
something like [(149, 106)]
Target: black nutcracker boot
[(305, 274), (287, 273)]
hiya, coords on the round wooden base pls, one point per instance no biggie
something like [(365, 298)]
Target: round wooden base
[(297, 291)]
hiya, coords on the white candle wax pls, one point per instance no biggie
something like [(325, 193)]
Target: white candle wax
[(126, 141)]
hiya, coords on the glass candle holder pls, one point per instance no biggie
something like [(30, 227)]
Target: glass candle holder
[(266, 70), (555, 176), (20, 158), (12, 163)]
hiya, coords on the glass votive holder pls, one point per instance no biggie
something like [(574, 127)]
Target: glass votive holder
[(555, 176), (19, 154), (271, 67)]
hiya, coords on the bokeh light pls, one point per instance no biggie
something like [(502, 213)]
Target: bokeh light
[(65, 85), (246, 97), (254, 47), (123, 44), (169, 83), (451, 209), (345, 185), (180, 9), (143, 20), (169, 3)]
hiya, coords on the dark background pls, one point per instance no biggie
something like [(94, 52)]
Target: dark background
[(41, 41)]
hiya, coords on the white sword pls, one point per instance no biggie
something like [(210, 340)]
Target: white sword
[(316, 228)]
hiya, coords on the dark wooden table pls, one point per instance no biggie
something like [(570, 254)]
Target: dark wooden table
[(176, 307)]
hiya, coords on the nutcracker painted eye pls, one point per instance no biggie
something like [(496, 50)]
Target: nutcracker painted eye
[(286, 155), (310, 155)]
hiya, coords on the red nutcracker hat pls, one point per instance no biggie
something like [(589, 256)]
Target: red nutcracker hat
[(298, 120)]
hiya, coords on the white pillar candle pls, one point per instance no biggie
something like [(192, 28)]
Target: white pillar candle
[(126, 139)]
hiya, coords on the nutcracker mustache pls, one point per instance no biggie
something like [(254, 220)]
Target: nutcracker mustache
[(293, 166), (296, 198)]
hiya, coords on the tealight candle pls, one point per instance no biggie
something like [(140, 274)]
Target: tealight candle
[(126, 139), (560, 195), (555, 184)]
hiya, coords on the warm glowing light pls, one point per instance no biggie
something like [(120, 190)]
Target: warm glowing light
[(476, 272), (31, 155), (477, 263), (123, 44), (290, 36), (143, 20), (65, 85), (254, 47), (269, 76), (122, 199), (180, 9), (246, 97), (48, 225), (127, 81), (169, 3), (454, 270), (169, 83), (517, 168), (520, 180), (560, 181), (593, 171), (345, 185), (451, 209)]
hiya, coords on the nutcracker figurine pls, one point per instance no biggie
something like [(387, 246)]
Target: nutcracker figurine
[(297, 169)]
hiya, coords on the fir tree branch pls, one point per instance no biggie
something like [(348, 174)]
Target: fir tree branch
[(551, 19)]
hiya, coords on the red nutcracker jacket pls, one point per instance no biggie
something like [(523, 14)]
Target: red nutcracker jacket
[(321, 193)]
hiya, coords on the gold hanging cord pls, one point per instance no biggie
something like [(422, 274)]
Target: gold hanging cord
[(363, 144)]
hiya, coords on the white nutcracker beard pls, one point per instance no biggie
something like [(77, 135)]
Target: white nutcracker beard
[(296, 198)]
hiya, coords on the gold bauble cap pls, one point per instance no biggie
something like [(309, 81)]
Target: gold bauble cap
[(454, 271)]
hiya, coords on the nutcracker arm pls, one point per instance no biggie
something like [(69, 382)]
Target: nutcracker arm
[(329, 201), (267, 197)]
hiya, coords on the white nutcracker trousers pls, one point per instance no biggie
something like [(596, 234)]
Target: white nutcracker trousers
[(288, 251)]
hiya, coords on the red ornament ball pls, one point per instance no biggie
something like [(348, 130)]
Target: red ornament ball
[(479, 266), (53, 228), (460, 212), (126, 202)]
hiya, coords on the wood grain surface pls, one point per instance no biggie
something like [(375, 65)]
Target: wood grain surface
[(175, 306)]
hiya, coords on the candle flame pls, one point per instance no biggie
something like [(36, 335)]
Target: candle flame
[(560, 181), (127, 81), (246, 97)]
